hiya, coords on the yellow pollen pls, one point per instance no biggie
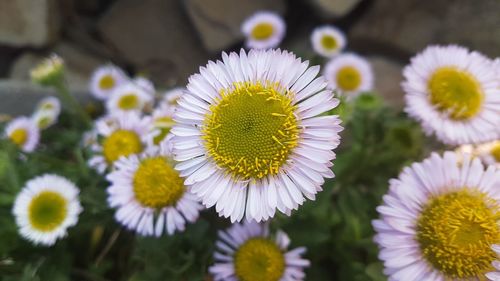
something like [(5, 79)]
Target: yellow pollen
[(157, 184), (106, 82), (495, 151), (262, 31), (259, 259), (455, 232), (47, 211), (19, 136), (329, 42), (251, 130), (121, 143), (128, 102), (348, 78), (455, 92)]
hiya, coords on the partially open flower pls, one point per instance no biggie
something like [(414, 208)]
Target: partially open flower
[(49, 71)]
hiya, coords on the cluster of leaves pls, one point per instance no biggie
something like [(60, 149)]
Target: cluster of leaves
[(336, 228)]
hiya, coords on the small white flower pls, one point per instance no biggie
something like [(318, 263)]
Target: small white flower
[(105, 80), (328, 41), (248, 252), (349, 74), (24, 133), (489, 153), (263, 30), (45, 208), (162, 122), (129, 97), (149, 194), (51, 104)]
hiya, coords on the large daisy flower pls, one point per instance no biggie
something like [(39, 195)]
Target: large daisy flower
[(328, 41), (23, 132), (105, 80), (454, 93), (129, 96), (120, 135), (247, 252), (149, 193), (249, 137), (45, 208), (439, 220), (349, 74), (263, 30)]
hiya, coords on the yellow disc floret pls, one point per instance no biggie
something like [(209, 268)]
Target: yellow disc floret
[(106, 82), (456, 230), (348, 78), (47, 211), (495, 151), (455, 92), (157, 184), (19, 136), (121, 143), (328, 42), (259, 259), (262, 31), (128, 102), (251, 130)]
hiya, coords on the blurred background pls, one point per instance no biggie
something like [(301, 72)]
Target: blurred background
[(167, 40)]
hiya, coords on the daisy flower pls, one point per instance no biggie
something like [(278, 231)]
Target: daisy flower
[(51, 104), (439, 219), (121, 135), (349, 74), (46, 112), (129, 97), (247, 252), (45, 208), (162, 123), (328, 41), (489, 153), (249, 137), (105, 80), (150, 194), (454, 94), (23, 132), (263, 30)]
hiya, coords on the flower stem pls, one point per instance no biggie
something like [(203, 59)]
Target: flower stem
[(71, 102)]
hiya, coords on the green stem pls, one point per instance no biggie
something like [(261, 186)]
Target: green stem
[(71, 102)]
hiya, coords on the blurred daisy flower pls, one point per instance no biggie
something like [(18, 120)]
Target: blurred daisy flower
[(247, 252), (129, 97), (172, 96), (349, 74), (49, 71), (23, 132), (150, 194), (489, 153), (328, 41), (454, 94), (45, 208), (263, 30), (250, 135), (46, 112), (439, 220), (105, 80), (162, 123)]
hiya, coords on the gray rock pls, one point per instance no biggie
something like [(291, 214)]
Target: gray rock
[(218, 22), (155, 37), (29, 22), (334, 8), (412, 24), (388, 78)]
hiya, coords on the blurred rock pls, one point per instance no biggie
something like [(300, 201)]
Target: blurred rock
[(334, 8), (29, 22), (388, 78), (413, 24), (218, 22), (155, 37)]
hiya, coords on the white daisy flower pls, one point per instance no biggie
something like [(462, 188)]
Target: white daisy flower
[(263, 30), (105, 80), (328, 41), (439, 219), (44, 119), (349, 74), (495, 275), (489, 153), (129, 97), (121, 135), (162, 123), (150, 195), (45, 208), (171, 96), (247, 252), (23, 132), (51, 104), (249, 136), (454, 93)]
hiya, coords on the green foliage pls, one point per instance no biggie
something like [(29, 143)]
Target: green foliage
[(336, 228)]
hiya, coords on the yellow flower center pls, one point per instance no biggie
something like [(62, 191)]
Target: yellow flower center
[(262, 31), (44, 122), (107, 82), (164, 125), (328, 42), (251, 130), (47, 211), (495, 151), (19, 136), (348, 78), (259, 259), (455, 232), (47, 106), (455, 92), (121, 143), (128, 102), (157, 184)]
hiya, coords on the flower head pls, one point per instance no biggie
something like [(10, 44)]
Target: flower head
[(105, 80), (49, 71), (46, 112), (349, 74), (489, 153), (263, 30), (23, 132), (328, 41), (129, 97)]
